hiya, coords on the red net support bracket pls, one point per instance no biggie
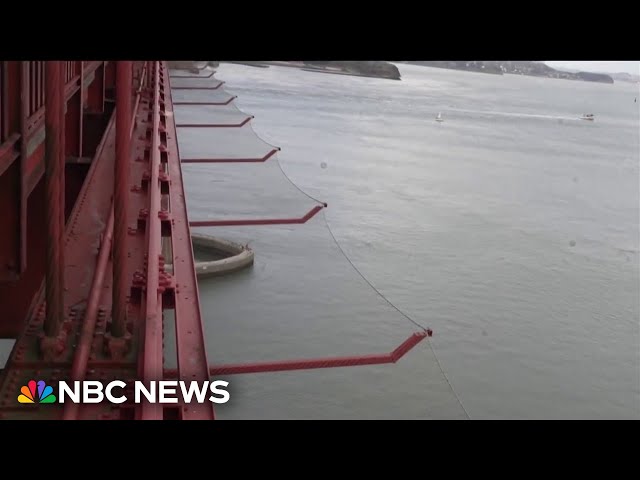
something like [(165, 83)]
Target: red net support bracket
[(226, 102), (232, 160), (215, 125), (309, 364), (193, 76), (220, 83), (265, 221)]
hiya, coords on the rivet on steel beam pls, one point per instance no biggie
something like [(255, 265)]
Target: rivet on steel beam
[(67, 325), (52, 347), (117, 347)]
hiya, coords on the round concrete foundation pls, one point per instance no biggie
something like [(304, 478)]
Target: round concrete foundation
[(236, 257)]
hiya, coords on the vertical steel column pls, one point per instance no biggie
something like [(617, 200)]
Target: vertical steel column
[(62, 158), (120, 199), (53, 108)]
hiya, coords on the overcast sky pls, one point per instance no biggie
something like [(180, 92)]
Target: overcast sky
[(600, 66)]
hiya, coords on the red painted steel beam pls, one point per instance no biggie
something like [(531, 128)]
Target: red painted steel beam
[(199, 88), (9, 152), (121, 194), (215, 125), (74, 112), (190, 340), (21, 112), (266, 221), (193, 76), (315, 363), (207, 103), (95, 89), (144, 82), (54, 109), (152, 358), (86, 224), (89, 67), (3, 109), (232, 160), (85, 339), (11, 107), (62, 159)]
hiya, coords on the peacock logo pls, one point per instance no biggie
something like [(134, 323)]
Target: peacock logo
[(44, 393)]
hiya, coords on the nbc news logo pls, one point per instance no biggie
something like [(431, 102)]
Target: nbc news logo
[(93, 391), (36, 392)]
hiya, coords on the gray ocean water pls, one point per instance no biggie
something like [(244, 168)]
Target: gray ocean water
[(510, 229)]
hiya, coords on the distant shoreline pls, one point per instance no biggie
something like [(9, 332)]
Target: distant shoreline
[(524, 68), (350, 74), (390, 71)]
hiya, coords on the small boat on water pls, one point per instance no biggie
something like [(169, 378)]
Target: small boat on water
[(439, 117), (588, 116)]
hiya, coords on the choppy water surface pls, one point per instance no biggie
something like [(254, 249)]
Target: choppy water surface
[(511, 229)]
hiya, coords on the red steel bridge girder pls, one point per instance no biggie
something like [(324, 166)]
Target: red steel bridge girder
[(22, 168)]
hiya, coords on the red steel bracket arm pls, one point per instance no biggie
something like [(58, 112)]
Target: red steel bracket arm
[(232, 160), (330, 362), (267, 221)]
